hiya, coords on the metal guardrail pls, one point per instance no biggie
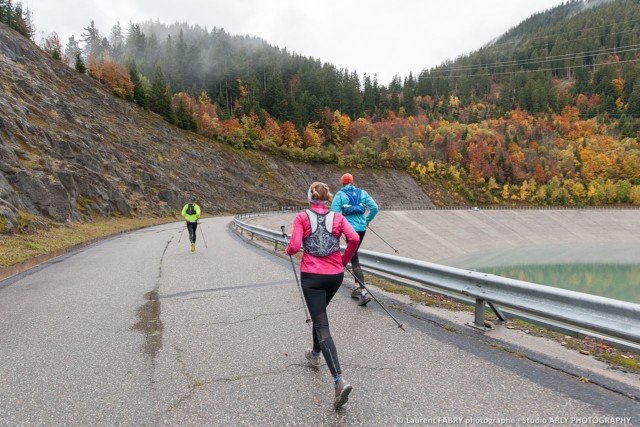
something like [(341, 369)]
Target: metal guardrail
[(274, 236), (396, 207), (610, 317), (509, 208)]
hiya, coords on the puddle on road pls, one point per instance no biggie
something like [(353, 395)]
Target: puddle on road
[(150, 325)]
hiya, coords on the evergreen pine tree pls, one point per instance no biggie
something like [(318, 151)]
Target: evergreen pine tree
[(80, 65), (183, 118), (274, 98), (92, 41), (72, 51), (139, 93), (19, 20), (160, 97), (4, 11), (633, 108), (408, 95), (116, 40)]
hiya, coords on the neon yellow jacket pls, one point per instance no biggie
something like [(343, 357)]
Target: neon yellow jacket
[(194, 217)]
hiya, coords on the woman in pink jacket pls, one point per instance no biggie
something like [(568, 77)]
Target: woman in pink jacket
[(318, 231)]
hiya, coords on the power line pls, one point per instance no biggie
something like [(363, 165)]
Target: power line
[(613, 50), (547, 37), (602, 64)]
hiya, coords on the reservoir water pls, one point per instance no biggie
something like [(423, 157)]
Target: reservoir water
[(611, 271)]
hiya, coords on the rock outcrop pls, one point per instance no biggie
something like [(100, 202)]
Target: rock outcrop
[(70, 150)]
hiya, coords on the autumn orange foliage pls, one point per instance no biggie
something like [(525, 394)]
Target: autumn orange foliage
[(554, 159)]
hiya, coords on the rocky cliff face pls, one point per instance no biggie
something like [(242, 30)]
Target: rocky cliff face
[(70, 150)]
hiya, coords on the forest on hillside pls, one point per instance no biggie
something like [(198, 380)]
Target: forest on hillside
[(549, 113)]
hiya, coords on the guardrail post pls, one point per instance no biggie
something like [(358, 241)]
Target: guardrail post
[(478, 321), (479, 316)]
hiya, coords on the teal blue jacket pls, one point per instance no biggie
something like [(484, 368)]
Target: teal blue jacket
[(359, 221)]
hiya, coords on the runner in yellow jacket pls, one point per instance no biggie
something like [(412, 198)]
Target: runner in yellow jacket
[(191, 214)]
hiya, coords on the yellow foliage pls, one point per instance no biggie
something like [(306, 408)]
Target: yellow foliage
[(619, 85), (454, 172), (492, 184), (242, 88), (340, 128), (204, 98), (505, 192), (313, 135), (578, 190), (524, 191), (635, 195)]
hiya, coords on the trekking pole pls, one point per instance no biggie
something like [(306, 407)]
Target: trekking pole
[(304, 304), (202, 232), (373, 231), (383, 307)]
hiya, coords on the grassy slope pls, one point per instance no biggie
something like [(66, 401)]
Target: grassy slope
[(18, 248)]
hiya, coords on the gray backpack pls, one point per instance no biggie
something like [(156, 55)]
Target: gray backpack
[(321, 242)]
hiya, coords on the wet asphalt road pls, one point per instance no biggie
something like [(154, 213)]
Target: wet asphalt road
[(139, 331)]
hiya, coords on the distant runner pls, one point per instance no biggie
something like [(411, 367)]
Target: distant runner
[(352, 202), (191, 214), (318, 231)]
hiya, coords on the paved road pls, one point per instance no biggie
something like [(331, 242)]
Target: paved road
[(137, 330)]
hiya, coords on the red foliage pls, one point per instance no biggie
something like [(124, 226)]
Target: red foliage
[(114, 75)]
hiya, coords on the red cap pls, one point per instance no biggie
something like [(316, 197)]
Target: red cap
[(347, 179)]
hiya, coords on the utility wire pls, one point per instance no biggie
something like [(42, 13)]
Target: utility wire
[(603, 64), (548, 38), (603, 51)]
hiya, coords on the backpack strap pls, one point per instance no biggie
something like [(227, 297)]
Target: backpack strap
[(313, 220), (354, 196), (328, 223)]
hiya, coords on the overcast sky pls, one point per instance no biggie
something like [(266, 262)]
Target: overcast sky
[(371, 37)]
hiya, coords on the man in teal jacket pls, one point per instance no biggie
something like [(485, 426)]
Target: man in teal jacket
[(191, 214), (352, 202)]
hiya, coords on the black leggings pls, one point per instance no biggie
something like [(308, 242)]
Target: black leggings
[(355, 261), (318, 290), (192, 226)]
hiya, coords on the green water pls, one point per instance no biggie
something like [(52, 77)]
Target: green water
[(618, 281), (608, 270)]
